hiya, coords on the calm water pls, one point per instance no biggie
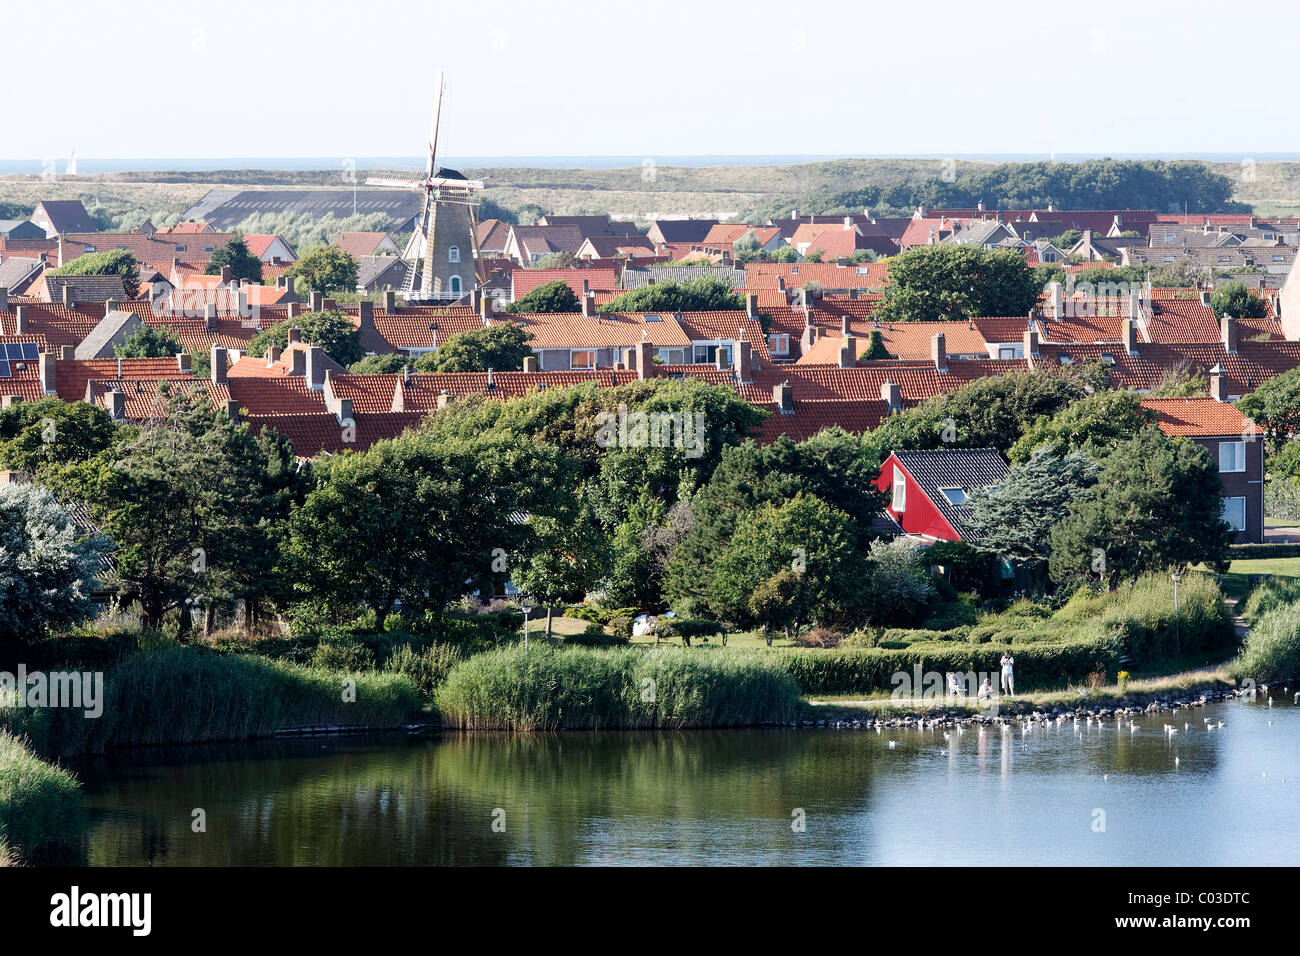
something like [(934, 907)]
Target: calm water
[(721, 797)]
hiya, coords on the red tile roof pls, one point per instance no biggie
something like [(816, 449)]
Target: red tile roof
[(1198, 417)]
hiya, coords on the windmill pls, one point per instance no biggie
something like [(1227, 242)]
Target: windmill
[(445, 235)]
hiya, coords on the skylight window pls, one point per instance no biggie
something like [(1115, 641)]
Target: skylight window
[(955, 496)]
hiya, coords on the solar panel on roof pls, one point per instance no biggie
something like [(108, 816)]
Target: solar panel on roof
[(4, 369), (31, 352)]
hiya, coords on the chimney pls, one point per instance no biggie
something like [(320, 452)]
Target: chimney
[(295, 334), (719, 360), (1134, 307), (315, 367), (1205, 297), (115, 401), (848, 222), (530, 363), (1056, 305), (844, 325), (4, 295), (443, 399), (588, 304), (9, 401), (1130, 336), (298, 362), (1218, 385), (743, 357), (273, 355), (485, 308), (891, 395), (1031, 343), (366, 319), (783, 395), (183, 361), (808, 339), (46, 370), (751, 306), (317, 301), (849, 352), (939, 352), (67, 353), (328, 304), (20, 320), (210, 316), (294, 310), (226, 274), (390, 300), (1228, 325), (217, 361), (69, 300), (232, 410), (644, 356)]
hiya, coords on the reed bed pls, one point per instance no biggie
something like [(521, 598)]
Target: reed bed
[(40, 804)]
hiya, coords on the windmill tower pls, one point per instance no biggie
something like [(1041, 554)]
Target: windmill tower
[(445, 234)]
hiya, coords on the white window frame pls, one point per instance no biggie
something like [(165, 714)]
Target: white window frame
[(453, 254), (1231, 523), (899, 502), (778, 344), (454, 284), (574, 353), (1238, 453), (961, 491)]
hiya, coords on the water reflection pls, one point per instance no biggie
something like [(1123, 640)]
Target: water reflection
[(1019, 796)]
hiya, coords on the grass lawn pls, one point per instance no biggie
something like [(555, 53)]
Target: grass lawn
[(1236, 580)]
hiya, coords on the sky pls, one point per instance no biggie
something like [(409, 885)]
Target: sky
[(282, 78)]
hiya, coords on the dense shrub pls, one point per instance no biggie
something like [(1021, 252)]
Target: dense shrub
[(546, 689), (1274, 592), (1272, 649), (596, 636), (427, 667), (346, 655), (40, 804)]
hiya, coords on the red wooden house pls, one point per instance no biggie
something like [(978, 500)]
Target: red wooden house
[(929, 491)]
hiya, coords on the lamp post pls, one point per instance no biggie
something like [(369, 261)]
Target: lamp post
[(527, 607), (1178, 645)]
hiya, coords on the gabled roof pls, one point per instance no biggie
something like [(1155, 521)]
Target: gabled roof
[(357, 244), (66, 215), (1198, 417), (969, 469)]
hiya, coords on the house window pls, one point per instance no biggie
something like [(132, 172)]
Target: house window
[(89, 248), (582, 358), (1278, 258), (1108, 358), (1011, 351), (709, 354), (1063, 358), (209, 248), (1232, 456), (1234, 512), (900, 490), (181, 248), (453, 254), (454, 284), (779, 344), (955, 496), (1169, 237)]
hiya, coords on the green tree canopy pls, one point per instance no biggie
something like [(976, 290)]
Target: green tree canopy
[(1015, 518), (325, 269), (149, 341), (950, 281), (1095, 422), (1235, 299), (1275, 407), (114, 262), (243, 264), (44, 436), (549, 297), (1156, 504), (701, 294), (502, 347), (332, 330), (380, 364)]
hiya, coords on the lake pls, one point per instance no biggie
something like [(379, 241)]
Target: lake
[(1095, 795)]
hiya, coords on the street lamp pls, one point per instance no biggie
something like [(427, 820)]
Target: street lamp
[(1178, 645), (527, 607)]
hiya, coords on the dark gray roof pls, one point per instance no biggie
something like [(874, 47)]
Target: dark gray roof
[(684, 230), (375, 270), (111, 329), (85, 288), (224, 208), (67, 215), (15, 269), (969, 469)]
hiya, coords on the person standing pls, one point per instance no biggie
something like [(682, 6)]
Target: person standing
[(1008, 677)]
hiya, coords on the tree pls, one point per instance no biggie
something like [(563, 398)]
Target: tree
[(859, 256), (564, 559), (556, 260), (1235, 299), (47, 571), (786, 254), (149, 341), (950, 281), (876, 347), (1275, 407), (243, 264), (325, 269), (114, 262), (41, 437), (550, 297), (333, 331), (419, 520), (805, 537), (895, 590), (502, 347), (814, 255), (1015, 518), (380, 364), (1156, 504), (1095, 422), (186, 499), (701, 294)]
